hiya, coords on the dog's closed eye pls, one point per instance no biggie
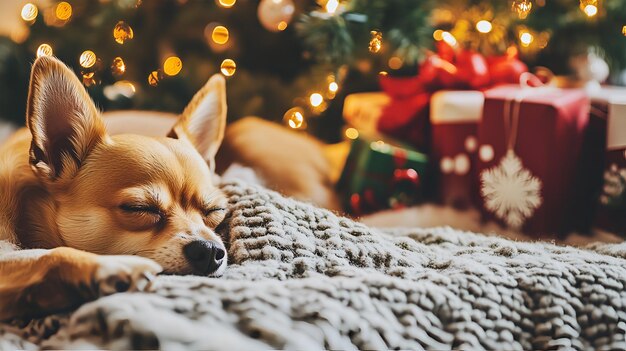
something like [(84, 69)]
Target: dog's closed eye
[(145, 215), (213, 215), (211, 210)]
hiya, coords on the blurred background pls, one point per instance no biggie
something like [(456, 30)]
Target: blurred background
[(400, 83), (291, 61)]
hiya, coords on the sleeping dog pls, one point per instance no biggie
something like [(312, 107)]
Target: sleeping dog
[(85, 214)]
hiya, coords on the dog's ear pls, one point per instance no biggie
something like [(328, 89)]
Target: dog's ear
[(204, 120), (64, 123)]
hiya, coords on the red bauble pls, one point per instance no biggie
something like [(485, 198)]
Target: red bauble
[(473, 69), (506, 69)]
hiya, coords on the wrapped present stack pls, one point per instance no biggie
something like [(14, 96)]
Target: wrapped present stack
[(530, 156)]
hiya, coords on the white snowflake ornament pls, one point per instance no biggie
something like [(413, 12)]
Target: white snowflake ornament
[(510, 191)]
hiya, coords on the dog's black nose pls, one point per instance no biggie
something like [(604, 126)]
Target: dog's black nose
[(204, 256)]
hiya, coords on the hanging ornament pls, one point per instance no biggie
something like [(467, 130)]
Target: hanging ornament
[(522, 8), (376, 41), (122, 32), (275, 15), (228, 67), (510, 191), (118, 67), (44, 50)]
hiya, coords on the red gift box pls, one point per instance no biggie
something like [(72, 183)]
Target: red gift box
[(454, 118), (533, 188)]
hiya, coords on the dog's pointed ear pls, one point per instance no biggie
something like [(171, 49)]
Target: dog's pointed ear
[(64, 122), (203, 121)]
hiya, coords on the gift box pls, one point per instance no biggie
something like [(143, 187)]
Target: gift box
[(529, 157), (381, 173), (362, 110), (407, 116), (611, 213), (454, 118)]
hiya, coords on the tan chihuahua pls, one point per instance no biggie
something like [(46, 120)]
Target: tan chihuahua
[(70, 195)]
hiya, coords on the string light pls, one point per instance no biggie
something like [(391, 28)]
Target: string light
[(227, 3), (395, 62), (522, 8), (89, 79), (228, 67), (316, 99), (448, 38), (29, 12), (484, 26), (122, 32), (44, 50), (352, 133), (624, 30), (172, 66), (153, 78), (589, 7), (333, 87), (118, 67), (220, 35), (376, 42), (526, 38), (87, 59), (294, 118), (281, 26), (590, 10), (383, 73), (331, 6), (438, 35), (63, 11)]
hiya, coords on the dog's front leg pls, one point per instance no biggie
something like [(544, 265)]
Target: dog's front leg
[(39, 282)]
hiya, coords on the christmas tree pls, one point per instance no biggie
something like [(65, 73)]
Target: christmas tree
[(292, 62)]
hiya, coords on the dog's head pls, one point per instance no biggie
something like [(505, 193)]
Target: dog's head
[(129, 194)]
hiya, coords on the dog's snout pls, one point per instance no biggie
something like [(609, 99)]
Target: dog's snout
[(204, 256)]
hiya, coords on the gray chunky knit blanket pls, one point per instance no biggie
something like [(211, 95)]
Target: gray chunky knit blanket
[(304, 278)]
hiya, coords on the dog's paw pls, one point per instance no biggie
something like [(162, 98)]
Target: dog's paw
[(124, 273)]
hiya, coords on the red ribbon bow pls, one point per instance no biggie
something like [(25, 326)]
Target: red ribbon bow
[(407, 115)]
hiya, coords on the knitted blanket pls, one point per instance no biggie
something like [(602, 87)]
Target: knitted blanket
[(304, 278)]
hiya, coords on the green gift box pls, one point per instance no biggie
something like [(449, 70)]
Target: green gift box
[(381, 173)]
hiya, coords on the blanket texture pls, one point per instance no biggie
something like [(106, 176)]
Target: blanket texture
[(304, 278)]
